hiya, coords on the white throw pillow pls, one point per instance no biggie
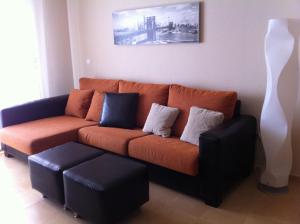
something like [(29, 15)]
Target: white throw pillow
[(200, 120), (160, 120)]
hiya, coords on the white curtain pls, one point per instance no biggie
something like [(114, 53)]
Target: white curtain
[(20, 70)]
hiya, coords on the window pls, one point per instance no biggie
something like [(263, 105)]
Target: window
[(20, 73)]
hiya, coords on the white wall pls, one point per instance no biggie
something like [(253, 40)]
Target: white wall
[(231, 56), (58, 71)]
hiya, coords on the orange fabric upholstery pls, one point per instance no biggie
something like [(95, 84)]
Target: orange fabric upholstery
[(35, 136), (79, 102), (95, 110), (111, 139), (166, 152), (149, 93), (101, 85), (183, 98)]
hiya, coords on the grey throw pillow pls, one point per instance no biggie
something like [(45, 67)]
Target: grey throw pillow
[(200, 120), (160, 120)]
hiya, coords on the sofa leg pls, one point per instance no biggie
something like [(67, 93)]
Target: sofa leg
[(76, 215), (6, 154), (212, 194), (213, 203)]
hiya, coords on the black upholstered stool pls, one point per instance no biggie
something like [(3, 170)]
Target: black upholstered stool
[(107, 188), (46, 167)]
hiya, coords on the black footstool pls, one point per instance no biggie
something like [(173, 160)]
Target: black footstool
[(107, 188), (46, 167)]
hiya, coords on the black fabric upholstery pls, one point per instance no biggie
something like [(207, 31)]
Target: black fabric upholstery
[(116, 187), (35, 110), (46, 167), (119, 110), (227, 155)]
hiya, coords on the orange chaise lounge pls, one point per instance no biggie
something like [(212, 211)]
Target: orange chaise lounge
[(225, 154)]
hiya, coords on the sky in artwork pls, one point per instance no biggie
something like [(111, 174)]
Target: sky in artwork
[(187, 13)]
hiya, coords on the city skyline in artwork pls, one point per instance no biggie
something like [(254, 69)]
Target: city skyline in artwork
[(176, 23)]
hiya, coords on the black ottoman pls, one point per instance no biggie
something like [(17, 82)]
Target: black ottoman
[(46, 167), (105, 189)]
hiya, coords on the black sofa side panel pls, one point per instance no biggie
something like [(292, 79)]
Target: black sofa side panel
[(227, 155)]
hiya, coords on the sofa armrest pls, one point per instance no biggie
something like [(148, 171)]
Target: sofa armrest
[(227, 155), (34, 110)]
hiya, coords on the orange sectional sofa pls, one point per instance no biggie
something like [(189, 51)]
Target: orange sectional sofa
[(225, 154)]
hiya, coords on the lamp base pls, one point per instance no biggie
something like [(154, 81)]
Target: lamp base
[(274, 190)]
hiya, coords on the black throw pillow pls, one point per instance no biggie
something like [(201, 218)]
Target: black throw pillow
[(119, 110)]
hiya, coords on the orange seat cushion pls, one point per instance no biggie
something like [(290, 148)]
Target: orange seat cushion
[(79, 102), (148, 94), (184, 98), (35, 136), (166, 152), (100, 85), (111, 139), (95, 110)]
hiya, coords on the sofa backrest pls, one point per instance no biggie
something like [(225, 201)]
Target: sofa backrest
[(184, 98), (100, 85), (171, 95), (149, 93)]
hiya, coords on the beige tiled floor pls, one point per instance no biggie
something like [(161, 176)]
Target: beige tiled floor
[(20, 204)]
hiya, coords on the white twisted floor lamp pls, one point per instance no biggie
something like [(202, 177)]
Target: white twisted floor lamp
[(279, 104)]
